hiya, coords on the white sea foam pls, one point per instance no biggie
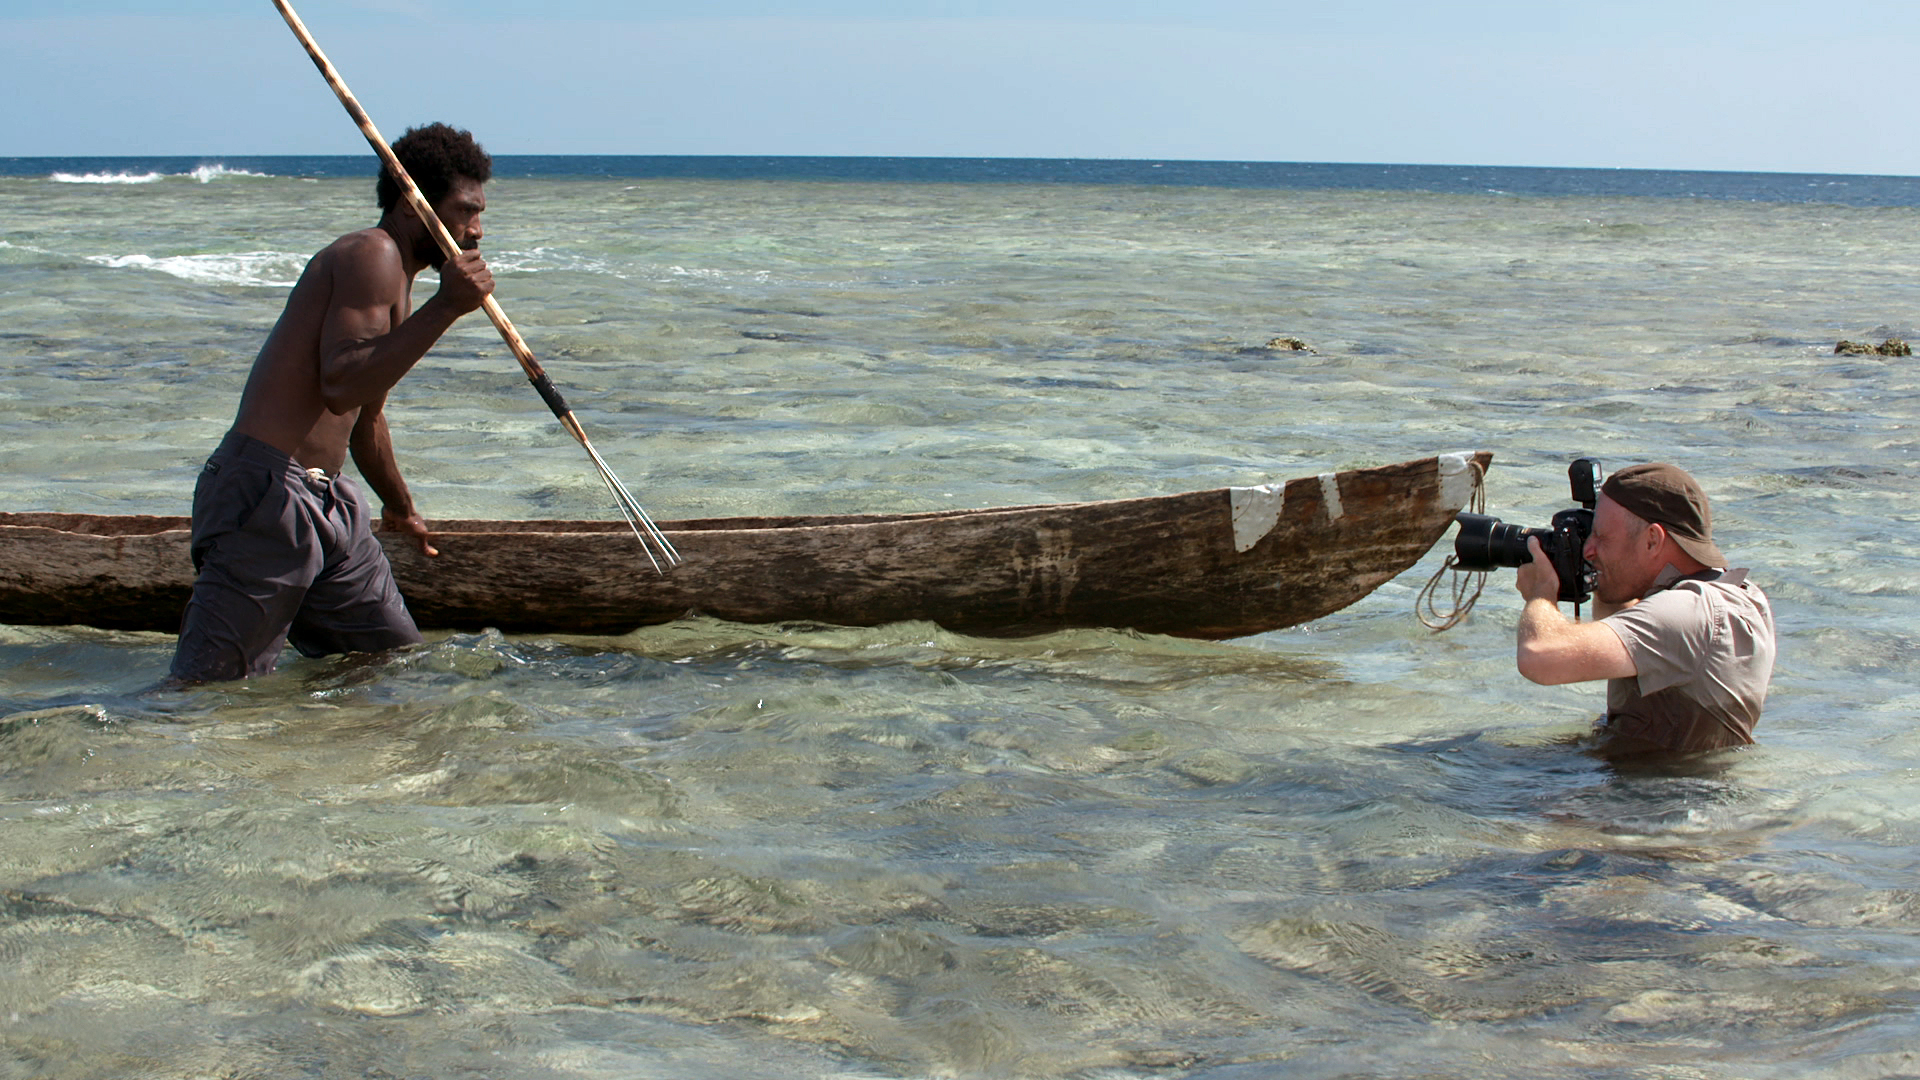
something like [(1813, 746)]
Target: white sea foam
[(703, 273), (277, 269), (105, 178), (206, 174), (545, 260)]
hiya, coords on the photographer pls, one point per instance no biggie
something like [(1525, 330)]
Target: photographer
[(1685, 645)]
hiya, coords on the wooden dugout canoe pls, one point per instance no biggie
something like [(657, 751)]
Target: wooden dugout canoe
[(1221, 563)]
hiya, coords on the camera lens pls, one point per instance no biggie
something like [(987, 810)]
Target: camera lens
[(1487, 543)]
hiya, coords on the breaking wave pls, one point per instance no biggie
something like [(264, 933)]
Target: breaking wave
[(105, 178), (206, 174), (277, 269)]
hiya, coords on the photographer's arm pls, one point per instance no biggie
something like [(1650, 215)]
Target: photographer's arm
[(1553, 649)]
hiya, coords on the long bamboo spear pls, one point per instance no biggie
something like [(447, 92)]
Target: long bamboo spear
[(652, 540)]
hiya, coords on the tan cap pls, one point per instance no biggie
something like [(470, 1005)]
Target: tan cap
[(1665, 495)]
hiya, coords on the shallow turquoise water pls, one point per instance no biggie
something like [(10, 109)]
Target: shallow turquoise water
[(711, 850)]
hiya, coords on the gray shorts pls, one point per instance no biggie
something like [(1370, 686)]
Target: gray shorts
[(283, 555)]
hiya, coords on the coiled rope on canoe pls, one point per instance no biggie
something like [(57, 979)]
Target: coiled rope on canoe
[(1467, 585)]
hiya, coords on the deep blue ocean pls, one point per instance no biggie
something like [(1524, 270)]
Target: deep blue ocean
[(1845, 190)]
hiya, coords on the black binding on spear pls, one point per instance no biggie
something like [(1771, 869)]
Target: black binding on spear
[(551, 395)]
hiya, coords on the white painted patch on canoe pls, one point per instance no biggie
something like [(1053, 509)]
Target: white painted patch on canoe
[(1330, 492), (1456, 478), (1255, 511)]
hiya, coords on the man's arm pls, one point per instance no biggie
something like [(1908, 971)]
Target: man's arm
[(1553, 649), (362, 353), (372, 448)]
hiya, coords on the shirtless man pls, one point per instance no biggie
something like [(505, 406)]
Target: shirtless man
[(282, 541)]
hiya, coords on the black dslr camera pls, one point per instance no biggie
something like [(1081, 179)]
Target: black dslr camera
[(1485, 542)]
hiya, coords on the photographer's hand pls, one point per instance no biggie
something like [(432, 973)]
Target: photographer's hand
[(1553, 649), (1537, 580)]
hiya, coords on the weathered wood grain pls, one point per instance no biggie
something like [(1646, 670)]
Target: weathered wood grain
[(1166, 564)]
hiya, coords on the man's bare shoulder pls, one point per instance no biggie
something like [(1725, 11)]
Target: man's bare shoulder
[(360, 268), (366, 249)]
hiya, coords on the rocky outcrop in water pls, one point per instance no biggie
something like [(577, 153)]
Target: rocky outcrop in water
[(1289, 344), (1889, 347)]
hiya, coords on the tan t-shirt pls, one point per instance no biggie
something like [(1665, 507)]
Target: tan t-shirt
[(1704, 653)]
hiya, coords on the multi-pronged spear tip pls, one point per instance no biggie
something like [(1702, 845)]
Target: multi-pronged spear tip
[(659, 549), (654, 542)]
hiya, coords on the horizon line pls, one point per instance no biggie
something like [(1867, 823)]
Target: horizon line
[(207, 156)]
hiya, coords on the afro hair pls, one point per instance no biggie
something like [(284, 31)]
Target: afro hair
[(434, 154)]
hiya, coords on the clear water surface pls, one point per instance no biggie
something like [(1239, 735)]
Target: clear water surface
[(707, 850)]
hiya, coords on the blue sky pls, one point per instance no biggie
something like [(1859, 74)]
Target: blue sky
[(1770, 85)]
